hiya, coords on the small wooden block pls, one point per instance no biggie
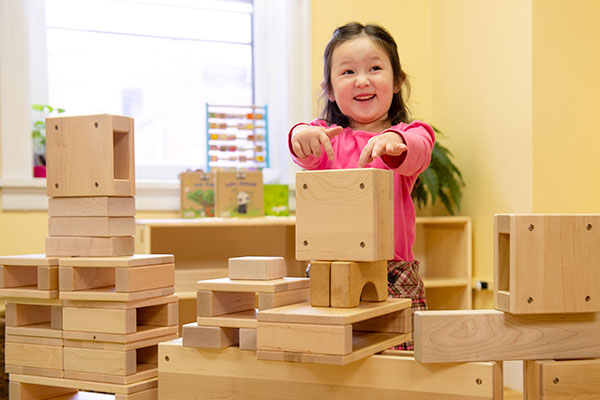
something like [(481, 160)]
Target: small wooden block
[(47, 277), (12, 276), (91, 206), (242, 319), (210, 304), (26, 314), (352, 282), (136, 260), (304, 338), (34, 355), (556, 380), (277, 285), (247, 339), (99, 320), (209, 336), (478, 335), (90, 246), (320, 278), (100, 361), (345, 215), (91, 226), (145, 277), (256, 268), (72, 279), (272, 300)]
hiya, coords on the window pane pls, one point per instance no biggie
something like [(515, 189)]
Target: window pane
[(163, 83)]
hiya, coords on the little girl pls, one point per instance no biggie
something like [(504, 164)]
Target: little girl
[(365, 123)]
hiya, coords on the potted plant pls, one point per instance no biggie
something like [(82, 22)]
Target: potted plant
[(441, 180), (38, 134)]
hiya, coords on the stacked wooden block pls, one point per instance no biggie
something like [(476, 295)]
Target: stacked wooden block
[(227, 307), (89, 314), (547, 296)]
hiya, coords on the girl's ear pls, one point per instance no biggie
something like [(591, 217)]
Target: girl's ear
[(329, 95), (398, 86)]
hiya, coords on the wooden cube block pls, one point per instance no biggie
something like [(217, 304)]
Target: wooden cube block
[(259, 268), (352, 282), (101, 206), (345, 215), (209, 336), (90, 155), (547, 264), (247, 339), (90, 246), (320, 279), (91, 226)]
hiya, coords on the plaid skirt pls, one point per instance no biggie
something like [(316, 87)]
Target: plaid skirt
[(404, 281)]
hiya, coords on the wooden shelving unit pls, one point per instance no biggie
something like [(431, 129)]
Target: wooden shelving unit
[(443, 247)]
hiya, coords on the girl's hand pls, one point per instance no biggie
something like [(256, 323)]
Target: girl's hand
[(307, 140), (389, 143)]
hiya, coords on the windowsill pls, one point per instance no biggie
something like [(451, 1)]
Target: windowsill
[(30, 194)]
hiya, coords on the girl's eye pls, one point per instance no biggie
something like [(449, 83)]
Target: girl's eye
[(375, 68), (347, 72)]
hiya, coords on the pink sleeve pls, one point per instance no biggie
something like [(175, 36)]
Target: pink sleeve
[(419, 138), (311, 162)]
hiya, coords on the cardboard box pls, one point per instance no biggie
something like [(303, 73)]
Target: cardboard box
[(197, 194), (277, 200), (239, 194)]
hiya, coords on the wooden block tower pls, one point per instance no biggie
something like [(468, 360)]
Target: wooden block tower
[(89, 314)]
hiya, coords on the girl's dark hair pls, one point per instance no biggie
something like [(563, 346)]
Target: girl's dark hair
[(398, 111)]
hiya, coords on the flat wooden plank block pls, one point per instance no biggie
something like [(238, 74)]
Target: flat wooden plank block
[(87, 385), (531, 250), (256, 268), (241, 319), (110, 294), (29, 292), (231, 371), (278, 299), (119, 305), (277, 285), (91, 226), (135, 260), (320, 283), (216, 337), (29, 260), (38, 330), (145, 277), (99, 345), (142, 333), (345, 215), (210, 304), (99, 320), (143, 372), (101, 206), (478, 335), (306, 314), (304, 338), (34, 355), (100, 361), (90, 246), (18, 369)]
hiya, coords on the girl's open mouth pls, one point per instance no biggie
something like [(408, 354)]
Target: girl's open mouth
[(365, 97)]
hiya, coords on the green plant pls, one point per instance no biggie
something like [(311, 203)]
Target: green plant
[(43, 111), (442, 179)]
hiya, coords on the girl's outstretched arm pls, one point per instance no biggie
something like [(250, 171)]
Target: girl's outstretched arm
[(308, 140)]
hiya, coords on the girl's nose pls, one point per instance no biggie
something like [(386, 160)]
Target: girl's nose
[(362, 81)]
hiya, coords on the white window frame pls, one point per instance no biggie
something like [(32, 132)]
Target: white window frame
[(280, 27)]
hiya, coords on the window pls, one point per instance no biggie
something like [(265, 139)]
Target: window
[(261, 57)]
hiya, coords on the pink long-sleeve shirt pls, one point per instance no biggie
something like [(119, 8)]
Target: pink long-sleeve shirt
[(347, 146)]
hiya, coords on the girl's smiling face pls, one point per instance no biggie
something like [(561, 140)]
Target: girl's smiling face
[(362, 83)]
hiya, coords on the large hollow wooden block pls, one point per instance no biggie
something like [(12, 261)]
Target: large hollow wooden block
[(557, 380), (256, 268), (352, 282), (547, 264), (99, 206), (491, 335), (345, 215), (29, 276), (90, 155)]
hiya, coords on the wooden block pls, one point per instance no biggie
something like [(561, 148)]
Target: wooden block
[(143, 333), (209, 336), (90, 246), (24, 391), (143, 372), (101, 206), (100, 361), (532, 250), (555, 380), (396, 322), (26, 314), (90, 156), (241, 319), (304, 338), (111, 295), (477, 335), (38, 330), (320, 279), (91, 226), (12, 276), (120, 305), (47, 277), (272, 300), (99, 345), (85, 278), (150, 394), (352, 282), (277, 285), (34, 355), (144, 278), (210, 304), (159, 315), (256, 268), (18, 369), (345, 215), (135, 260), (56, 317), (46, 341), (29, 293), (29, 260), (127, 389), (247, 339), (228, 372), (99, 320)]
